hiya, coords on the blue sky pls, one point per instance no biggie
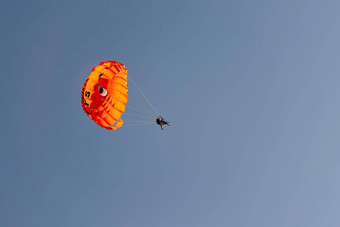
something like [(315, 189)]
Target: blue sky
[(251, 89)]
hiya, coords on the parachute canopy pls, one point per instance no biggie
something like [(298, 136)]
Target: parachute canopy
[(104, 94)]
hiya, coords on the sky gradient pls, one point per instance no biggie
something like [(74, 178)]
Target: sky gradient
[(251, 89)]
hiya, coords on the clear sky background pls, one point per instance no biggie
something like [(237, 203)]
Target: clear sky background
[(251, 89)]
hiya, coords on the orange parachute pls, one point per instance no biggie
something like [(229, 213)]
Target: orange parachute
[(104, 94)]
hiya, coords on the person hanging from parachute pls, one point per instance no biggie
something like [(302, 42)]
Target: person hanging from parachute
[(105, 96), (160, 121)]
